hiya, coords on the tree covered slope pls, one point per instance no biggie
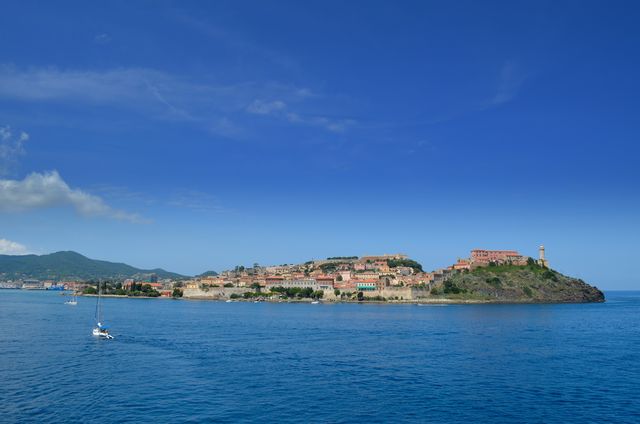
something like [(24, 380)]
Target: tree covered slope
[(511, 283), (68, 265)]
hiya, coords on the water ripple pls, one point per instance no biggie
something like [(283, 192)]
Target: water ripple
[(244, 362)]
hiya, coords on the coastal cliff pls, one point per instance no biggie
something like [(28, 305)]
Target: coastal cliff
[(518, 284)]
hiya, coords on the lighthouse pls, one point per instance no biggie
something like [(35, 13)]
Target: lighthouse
[(541, 260)]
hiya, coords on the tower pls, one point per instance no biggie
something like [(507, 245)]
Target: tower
[(541, 260)]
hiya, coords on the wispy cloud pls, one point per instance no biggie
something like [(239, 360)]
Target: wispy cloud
[(120, 194), (159, 95), (510, 81), (46, 190), (8, 247), (11, 147), (280, 109), (195, 200), (260, 107), (121, 86), (102, 38), (236, 41)]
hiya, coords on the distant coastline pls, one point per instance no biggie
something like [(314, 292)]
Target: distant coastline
[(485, 276)]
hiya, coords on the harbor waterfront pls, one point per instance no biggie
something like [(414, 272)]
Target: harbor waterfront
[(241, 362)]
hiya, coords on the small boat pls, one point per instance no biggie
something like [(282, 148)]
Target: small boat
[(229, 301), (73, 301), (315, 302), (100, 330)]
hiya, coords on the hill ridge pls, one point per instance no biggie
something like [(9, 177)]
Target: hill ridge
[(69, 264)]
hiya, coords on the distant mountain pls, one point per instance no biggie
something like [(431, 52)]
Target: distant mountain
[(207, 274), (69, 266)]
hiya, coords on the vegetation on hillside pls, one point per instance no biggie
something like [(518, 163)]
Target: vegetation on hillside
[(514, 283), (331, 267), (287, 293), (111, 288), (69, 266), (394, 263), (207, 274)]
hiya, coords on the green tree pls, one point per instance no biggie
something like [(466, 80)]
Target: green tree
[(452, 288), (307, 292), (336, 292), (177, 292), (495, 282), (394, 263)]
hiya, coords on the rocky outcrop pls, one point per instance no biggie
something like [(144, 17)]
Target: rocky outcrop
[(522, 284)]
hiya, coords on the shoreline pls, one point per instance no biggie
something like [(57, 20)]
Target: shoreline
[(441, 301)]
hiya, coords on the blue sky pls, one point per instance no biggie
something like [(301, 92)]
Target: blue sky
[(203, 135)]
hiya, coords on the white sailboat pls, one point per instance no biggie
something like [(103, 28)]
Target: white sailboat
[(73, 301), (100, 330)]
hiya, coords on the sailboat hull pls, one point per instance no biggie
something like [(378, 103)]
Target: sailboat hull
[(102, 334)]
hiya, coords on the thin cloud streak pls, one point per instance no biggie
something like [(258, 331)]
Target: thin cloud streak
[(510, 80), (280, 109), (219, 108), (195, 200), (11, 148)]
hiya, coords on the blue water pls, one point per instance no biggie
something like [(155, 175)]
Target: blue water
[(176, 361)]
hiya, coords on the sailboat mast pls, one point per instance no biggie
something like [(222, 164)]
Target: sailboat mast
[(97, 315)]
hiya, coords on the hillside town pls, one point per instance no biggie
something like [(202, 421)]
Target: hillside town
[(387, 276)]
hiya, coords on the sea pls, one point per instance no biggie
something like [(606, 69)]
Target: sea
[(178, 361)]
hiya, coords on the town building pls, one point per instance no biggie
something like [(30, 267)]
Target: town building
[(482, 257), (367, 285), (368, 275), (461, 264), (289, 284), (384, 257), (325, 282), (192, 284), (345, 275)]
